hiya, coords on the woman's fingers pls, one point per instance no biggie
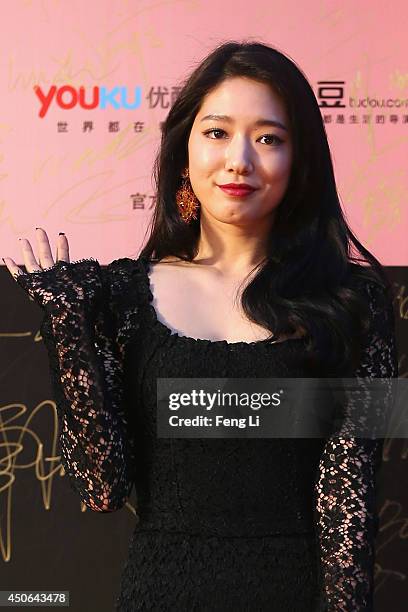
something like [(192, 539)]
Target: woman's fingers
[(45, 256), (44, 249), (62, 248), (28, 256), (12, 267)]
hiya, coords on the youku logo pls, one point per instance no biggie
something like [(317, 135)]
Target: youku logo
[(67, 97)]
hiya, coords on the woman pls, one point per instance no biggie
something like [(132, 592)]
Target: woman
[(259, 283)]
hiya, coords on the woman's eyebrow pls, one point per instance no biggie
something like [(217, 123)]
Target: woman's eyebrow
[(257, 123)]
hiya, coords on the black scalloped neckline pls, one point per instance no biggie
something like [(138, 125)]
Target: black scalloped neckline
[(146, 262)]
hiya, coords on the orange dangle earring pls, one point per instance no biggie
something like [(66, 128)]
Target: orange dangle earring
[(186, 200)]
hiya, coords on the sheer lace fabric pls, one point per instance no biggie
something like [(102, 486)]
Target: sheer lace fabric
[(106, 350), (346, 517), (79, 332)]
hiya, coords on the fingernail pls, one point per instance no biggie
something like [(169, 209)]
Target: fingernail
[(61, 234)]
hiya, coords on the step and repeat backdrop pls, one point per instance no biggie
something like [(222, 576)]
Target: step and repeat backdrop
[(84, 89)]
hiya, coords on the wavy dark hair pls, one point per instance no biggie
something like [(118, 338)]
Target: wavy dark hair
[(308, 279)]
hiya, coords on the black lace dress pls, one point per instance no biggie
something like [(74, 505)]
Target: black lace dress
[(225, 524)]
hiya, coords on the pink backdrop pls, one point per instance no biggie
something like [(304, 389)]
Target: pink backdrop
[(88, 172)]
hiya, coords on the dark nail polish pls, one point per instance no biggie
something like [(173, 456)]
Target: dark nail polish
[(61, 234)]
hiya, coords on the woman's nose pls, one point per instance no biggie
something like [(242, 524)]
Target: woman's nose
[(238, 157)]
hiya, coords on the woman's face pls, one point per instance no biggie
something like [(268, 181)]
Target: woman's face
[(234, 149)]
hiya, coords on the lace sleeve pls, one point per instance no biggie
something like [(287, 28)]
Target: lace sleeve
[(86, 367), (346, 518)]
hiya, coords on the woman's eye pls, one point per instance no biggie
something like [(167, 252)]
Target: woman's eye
[(212, 132), (277, 139), (270, 136)]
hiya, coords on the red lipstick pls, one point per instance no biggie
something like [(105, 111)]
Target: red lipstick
[(237, 189)]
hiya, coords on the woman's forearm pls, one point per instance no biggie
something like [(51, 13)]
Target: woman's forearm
[(94, 439)]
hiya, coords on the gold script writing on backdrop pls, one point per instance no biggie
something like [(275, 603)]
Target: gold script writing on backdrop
[(18, 438)]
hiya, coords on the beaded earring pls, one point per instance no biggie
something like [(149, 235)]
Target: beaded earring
[(186, 200)]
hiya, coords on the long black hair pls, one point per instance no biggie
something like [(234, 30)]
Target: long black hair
[(313, 260)]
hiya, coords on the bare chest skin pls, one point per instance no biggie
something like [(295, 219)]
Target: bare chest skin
[(197, 302)]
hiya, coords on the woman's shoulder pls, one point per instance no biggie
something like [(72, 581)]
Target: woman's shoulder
[(125, 276), (127, 294), (125, 264), (369, 280), (377, 299)]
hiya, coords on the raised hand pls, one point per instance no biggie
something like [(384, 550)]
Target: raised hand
[(45, 255)]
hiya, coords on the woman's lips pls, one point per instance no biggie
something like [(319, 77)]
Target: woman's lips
[(237, 192)]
